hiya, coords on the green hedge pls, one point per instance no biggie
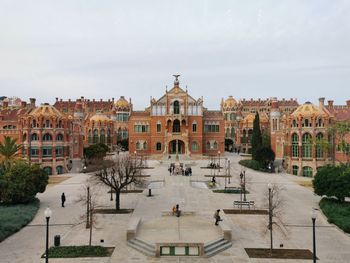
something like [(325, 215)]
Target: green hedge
[(78, 251), (252, 164), (235, 190), (15, 217), (337, 212)]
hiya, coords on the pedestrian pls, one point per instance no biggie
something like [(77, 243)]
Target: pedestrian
[(190, 171), (217, 217), (63, 199), (174, 210), (213, 180), (178, 211)]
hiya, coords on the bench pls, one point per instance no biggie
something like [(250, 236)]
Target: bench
[(244, 203), (131, 230)]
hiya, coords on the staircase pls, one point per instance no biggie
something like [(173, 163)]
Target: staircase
[(214, 247), (143, 247)]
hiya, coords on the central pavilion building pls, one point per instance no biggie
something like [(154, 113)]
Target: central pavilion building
[(176, 124)]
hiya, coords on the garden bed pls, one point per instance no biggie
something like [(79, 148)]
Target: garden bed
[(252, 164), (231, 190), (113, 211), (279, 253), (15, 217), (245, 211), (79, 251), (136, 191), (337, 213)]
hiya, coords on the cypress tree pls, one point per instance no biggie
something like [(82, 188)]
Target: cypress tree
[(256, 136)]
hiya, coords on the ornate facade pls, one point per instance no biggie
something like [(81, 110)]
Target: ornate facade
[(176, 124)]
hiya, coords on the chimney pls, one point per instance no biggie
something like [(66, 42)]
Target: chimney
[(23, 104), (32, 102), (348, 103), (330, 104), (321, 102)]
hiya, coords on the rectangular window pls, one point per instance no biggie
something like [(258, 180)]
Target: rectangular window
[(47, 151), (194, 127), (34, 152), (59, 151), (159, 127)]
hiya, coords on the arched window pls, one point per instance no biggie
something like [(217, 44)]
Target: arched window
[(215, 145), (250, 134), (24, 137), (90, 136), (306, 123), (244, 139), (194, 146), (48, 170), (158, 146), (233, 134), (34, 137), (125, 133), (295, 169), (59, 169), (307, 145), (295, 123), (295, 145), (47, 137), (176, 126), (34, 124), (307, 171), (109, 136), (95, 136), (320, 123), (319, 145), (227, 134), (137, 145), (119, 133), (59, 137), (145, 145), (47, 124), (103, 136), (176, 107), (59, 124)]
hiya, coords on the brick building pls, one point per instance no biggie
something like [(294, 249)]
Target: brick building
[(176, 124)]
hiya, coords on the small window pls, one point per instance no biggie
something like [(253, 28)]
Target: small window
[(158, 146), (194, 127), (295, 169), (159, 127), (47, 137), (59, 137), (194, 146)]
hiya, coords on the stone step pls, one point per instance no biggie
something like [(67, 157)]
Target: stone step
[(140, 246), (216, 247), (212, 243), (150, 246)]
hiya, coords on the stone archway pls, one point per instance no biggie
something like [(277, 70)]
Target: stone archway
[(177, 146)]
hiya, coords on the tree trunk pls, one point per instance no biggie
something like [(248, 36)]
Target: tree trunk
[(88, 208), (117, 200), (90, 237)]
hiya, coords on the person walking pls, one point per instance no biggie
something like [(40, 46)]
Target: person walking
[(217, 217), (63, 199)]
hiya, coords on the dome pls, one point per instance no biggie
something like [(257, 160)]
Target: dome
[(99, 117), (230, 102), (46, 110), (122, 103), (308, 109)]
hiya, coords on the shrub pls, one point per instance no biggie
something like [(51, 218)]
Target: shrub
[(14, 217), (333, 181), (337, 212), (252, 164), (264, 156), (22, 182), (96, 151)]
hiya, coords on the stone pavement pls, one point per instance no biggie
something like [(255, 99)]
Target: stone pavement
[(248, 230)]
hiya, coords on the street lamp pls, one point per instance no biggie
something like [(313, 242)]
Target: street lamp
[(219, 160), (313, 217), (270, 216), (47, 214)]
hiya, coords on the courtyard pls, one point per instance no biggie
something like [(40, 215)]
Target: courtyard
[(248, 231)]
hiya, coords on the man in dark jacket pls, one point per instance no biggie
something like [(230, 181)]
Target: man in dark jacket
[(63, 199)]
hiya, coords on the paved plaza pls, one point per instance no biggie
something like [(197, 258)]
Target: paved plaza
[(248, 231)]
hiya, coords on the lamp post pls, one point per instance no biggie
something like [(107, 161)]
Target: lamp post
[(111, 194), (244, 197), (48, 214), (219, 160), (313, 217), (270, 216)]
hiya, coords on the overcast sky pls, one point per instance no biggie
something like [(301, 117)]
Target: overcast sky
[(104, 49)]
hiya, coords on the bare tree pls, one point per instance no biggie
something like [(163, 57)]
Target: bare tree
[(88, 199), (125, 171), (275, 202)]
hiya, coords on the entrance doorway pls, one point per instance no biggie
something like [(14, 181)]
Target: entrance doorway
[(180, 147)]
